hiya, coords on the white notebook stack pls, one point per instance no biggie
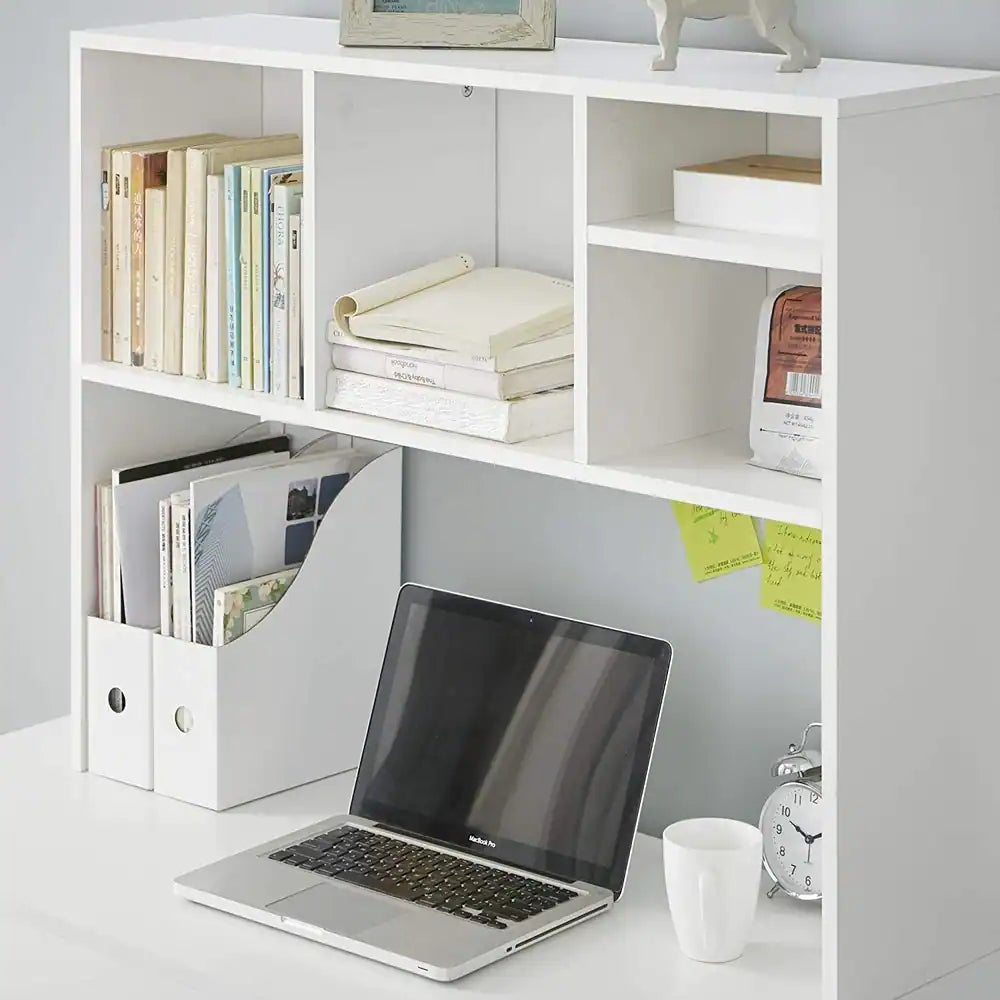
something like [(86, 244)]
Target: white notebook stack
[(486, 352)]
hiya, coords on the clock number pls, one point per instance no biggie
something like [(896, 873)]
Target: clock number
[(809, 881), (798, 798), (813, 798), (793, 868), (778, 829), (781, 852), (786, 812)]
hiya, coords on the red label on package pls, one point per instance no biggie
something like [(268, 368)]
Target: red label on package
[(794, 354)]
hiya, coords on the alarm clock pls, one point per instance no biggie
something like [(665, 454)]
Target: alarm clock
[(792, 823)]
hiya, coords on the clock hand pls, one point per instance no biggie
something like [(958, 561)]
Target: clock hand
[(801, 832)]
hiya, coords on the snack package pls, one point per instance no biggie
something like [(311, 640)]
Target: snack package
[(786, 428)]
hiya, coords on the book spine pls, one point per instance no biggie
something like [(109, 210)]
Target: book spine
[(122, 249), (117, 601), (402, 368), (107, 319), (257, 280), (166, 560), (279, 294), (100, 513), (216, 328), (475, 362), (219, 618), (180, 519), (173, 294), (418, 404), (295, 306), (233, 273), (137, 284), (153, 307), (246, 297), (195, 216)]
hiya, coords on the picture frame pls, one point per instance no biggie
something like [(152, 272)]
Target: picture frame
[(488, 24)]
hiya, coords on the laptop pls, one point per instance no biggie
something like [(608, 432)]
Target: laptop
[(495, 803)]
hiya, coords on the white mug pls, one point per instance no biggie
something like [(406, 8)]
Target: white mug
[(712, 869)]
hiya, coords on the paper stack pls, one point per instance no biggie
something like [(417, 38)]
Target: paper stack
[(486, 352)]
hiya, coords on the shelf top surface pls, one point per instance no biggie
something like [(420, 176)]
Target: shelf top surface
[(712, 470), (706, 77), (106, 914)]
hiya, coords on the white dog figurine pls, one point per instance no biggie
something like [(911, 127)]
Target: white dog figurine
[(773, 19)]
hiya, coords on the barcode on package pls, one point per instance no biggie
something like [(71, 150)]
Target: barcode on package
[(804, 385)]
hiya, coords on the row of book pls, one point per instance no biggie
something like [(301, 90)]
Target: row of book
[(201, 259), (480, 351), (202, 546)]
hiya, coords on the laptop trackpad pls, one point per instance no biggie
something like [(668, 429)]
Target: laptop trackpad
[(338, 910)]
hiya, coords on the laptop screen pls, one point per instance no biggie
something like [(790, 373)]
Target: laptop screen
[(514, 735)]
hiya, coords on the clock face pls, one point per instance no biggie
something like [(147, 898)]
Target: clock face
[(792, 824)]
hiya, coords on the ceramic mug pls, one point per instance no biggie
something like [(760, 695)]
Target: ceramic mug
[(713, 871)]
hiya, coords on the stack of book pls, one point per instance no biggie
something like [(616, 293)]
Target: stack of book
[(486, 352), (200, 259), (202, 546)]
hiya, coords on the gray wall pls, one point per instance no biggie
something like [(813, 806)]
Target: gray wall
[(744, 680)]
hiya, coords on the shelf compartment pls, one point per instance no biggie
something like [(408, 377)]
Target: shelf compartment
[(661, 233), (714, 470), (711, 469)]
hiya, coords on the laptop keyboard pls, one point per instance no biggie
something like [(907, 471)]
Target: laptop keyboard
[(424, 876)]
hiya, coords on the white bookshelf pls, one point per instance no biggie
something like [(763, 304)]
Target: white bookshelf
[(562, 162)]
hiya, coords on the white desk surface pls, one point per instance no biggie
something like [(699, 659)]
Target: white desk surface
[(87, 909)]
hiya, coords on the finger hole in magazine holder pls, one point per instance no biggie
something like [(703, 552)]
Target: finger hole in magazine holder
[(120, 693), (288, 702)]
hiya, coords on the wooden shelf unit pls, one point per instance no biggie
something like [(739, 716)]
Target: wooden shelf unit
[(563, 162)]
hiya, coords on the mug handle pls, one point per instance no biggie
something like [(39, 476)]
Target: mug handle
[(708, 900)]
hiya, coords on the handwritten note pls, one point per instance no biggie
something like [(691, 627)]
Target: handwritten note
[(716, 541), (792, 578)]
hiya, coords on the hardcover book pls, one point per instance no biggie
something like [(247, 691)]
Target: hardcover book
[(216, 323), (106, 254), (233, 296), (518, 420), (237, 608), (286, 197), (555, 347), (155, 277), (149, 170), (295, 369)]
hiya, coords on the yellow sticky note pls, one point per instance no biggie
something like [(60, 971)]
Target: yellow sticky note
[(792, 578), (716, 541)]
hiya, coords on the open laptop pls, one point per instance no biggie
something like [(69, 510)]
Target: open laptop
[(496, 801)]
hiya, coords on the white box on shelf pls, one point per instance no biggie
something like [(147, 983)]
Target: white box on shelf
[(120, 696), (289, 701), (777, 195)]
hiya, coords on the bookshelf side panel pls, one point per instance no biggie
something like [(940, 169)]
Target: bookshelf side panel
[(913, 563)]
